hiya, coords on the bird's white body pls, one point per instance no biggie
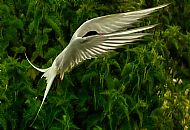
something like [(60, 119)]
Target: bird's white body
[(111, 32)]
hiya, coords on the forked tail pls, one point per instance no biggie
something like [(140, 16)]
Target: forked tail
[(49, 74)]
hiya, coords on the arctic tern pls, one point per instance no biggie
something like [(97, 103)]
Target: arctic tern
[(109, 32)]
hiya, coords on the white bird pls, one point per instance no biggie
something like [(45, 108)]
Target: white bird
[(109, 32)]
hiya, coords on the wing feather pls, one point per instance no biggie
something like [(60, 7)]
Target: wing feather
[(107, 29), (100, 50), (82, 56), (105, 47), (94, 46), (113, 22), (85, 55), (91, 53), (111, 34)]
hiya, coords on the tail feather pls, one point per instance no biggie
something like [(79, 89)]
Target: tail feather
[(41, 70), (50, 76)]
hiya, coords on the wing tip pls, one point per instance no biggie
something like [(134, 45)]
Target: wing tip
[(154, 9), (159, 7)]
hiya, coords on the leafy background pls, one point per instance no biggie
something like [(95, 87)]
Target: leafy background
[(143, 86)]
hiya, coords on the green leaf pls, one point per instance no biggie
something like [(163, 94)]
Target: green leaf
[(3, 45), (47, 30), (50, 53), (3, 122), (17, 23), (4, 10), (10, 34), (88, 76), (55, 128), (127, 69), (97, 128), (31, 27), (40, 41), (30, 7), (20, 49), (51, 21)]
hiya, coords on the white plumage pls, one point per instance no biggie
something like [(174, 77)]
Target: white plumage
[(111, 33)]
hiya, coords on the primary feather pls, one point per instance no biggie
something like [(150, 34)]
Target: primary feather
[(109, 35)]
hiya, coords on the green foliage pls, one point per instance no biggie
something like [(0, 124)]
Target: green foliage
[(142, 86)]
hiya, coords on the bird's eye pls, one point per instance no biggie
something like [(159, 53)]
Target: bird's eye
[(90, 33)]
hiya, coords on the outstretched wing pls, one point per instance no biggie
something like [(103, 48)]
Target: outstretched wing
[(93, 46), (114, 22)]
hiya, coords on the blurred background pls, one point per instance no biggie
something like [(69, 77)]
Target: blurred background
[(143, 86)]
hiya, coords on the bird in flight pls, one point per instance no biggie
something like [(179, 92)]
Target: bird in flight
[(95, 37)]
